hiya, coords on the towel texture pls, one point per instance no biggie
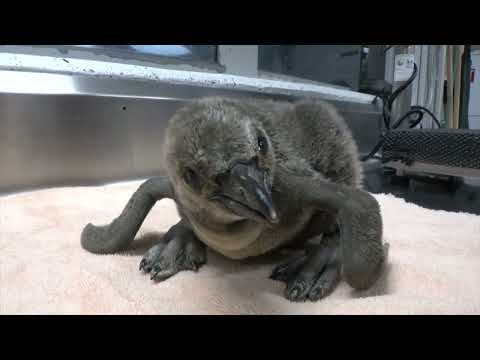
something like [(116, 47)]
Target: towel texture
[(434, 264)]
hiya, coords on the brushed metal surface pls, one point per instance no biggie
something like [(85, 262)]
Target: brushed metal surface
[(83, 130)]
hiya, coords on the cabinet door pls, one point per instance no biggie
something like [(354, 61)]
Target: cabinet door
[(474, 104)]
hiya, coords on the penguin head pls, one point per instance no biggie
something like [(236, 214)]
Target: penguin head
[(220, 160)]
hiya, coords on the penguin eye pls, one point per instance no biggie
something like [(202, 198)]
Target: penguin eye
[(191, 178), (262, 145), (219, 179)]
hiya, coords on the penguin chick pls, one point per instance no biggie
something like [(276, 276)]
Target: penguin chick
[(250, 177)]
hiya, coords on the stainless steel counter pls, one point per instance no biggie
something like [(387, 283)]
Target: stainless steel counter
[(64, 130)]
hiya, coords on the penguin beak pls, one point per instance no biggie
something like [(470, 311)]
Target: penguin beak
[(246, 192)]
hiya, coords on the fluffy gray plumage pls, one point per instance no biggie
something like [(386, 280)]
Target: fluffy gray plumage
[(251, 176)]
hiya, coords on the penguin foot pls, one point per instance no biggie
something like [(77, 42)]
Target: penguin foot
[(311, 276), (182, 251)]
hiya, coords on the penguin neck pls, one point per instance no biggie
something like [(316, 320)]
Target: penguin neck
[(226, 237)]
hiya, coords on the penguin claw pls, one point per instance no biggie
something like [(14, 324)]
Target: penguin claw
[(168, 258), (311, 276)]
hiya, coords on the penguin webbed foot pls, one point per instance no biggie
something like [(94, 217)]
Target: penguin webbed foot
[(312, 275), (179, 250)]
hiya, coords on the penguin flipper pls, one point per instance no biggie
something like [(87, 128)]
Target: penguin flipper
[(121, 231)]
